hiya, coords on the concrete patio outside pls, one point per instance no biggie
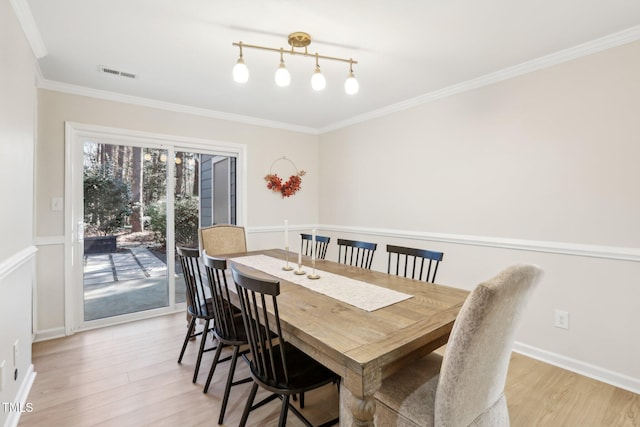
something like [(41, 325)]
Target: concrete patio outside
[(128, 281)]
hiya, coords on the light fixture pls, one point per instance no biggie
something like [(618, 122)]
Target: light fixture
[(318, 82), (240, 70), (351, 85), (283, 78), (297, 40)]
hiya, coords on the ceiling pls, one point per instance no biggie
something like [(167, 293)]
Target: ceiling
[(182, 55)]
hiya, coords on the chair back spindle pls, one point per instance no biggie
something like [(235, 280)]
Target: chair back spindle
[(306, 245), (410, 262), (356, 253)]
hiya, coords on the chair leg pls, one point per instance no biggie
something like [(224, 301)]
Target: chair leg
[(283, 411), (202, 342), (216, 358), (302, 400), (227, 389), (192, 325), (247, 407)]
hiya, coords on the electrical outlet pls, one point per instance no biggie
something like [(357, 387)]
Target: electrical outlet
[(561, 319)]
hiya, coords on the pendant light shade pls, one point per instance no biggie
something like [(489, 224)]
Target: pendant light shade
[(283, 78), (351, 85), (240, 72), (318, 82)]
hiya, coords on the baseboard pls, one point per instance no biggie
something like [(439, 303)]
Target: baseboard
[(579, 367), (21, 397), (49, 334)]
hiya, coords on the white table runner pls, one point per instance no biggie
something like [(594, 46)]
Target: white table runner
[(354, 292)]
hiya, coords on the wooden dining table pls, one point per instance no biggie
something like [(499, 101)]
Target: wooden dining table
[(362, 346)]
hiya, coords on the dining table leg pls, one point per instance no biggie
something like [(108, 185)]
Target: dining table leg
[(357, 409), (357, 389), (363, 409)]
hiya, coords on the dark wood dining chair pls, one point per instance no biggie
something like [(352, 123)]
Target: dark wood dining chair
[(353, 252), (198, 305), (275, 364), (228, 327), (322, 242), (410, 262)]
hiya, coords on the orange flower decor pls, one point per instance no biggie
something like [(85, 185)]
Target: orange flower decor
[(289, 188)]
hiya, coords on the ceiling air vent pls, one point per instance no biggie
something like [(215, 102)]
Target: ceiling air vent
[(117, 72)]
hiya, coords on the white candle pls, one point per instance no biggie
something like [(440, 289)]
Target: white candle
[(300, 257), (313, 244), (286, 234)]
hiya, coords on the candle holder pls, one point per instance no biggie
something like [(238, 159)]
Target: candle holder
[(313, 275), (299, 271), (287, 267)]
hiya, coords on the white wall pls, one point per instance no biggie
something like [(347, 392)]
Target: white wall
[(266, 211), (17, 112), (545, 163)]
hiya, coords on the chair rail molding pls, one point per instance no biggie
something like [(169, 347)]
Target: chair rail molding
[(280, 228), (15, 261), (576, 249)]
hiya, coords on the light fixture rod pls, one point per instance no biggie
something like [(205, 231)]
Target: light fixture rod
[(294, 52)]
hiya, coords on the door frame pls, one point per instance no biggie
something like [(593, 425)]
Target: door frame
[(75, 134)]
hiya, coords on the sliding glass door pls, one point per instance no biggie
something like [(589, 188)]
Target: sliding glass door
[(138, 203)]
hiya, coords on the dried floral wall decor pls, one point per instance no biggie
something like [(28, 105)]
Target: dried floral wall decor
[(289, 187)]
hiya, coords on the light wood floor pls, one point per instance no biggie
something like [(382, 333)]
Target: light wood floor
[(127, 375)]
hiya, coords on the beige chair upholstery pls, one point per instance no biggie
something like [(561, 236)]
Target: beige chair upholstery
[(465, 387), (222, 239)]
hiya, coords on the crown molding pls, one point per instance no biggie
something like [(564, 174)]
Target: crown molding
[(613, 40), (28, 24), (43, 83)]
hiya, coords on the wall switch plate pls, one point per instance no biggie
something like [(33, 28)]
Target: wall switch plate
[(561, 319), (57, 204)]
